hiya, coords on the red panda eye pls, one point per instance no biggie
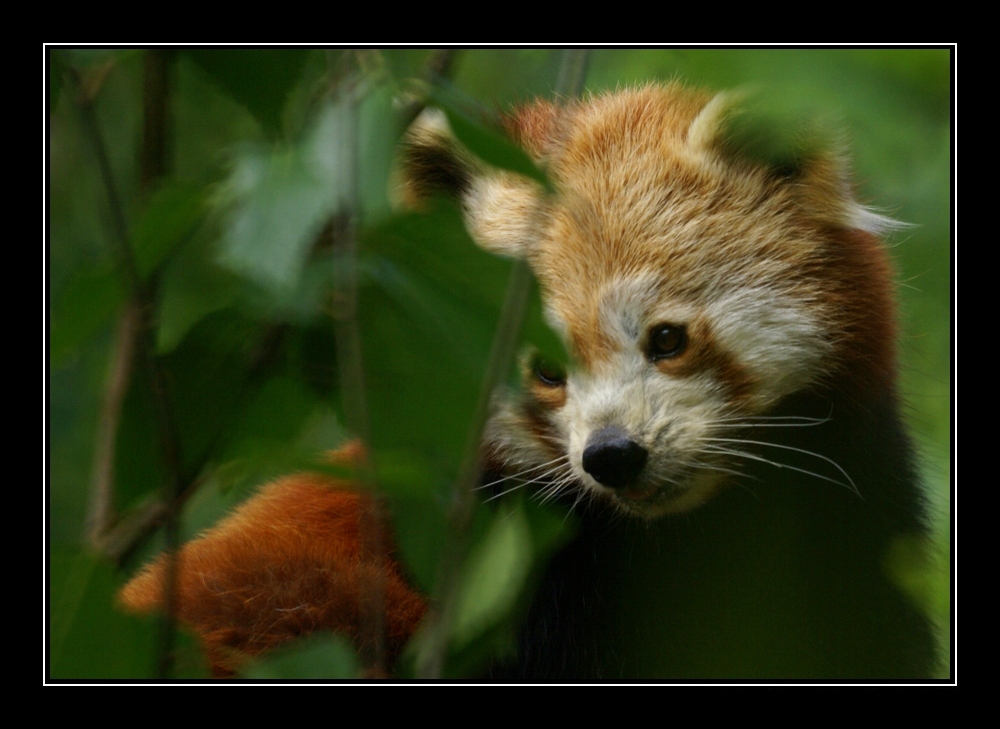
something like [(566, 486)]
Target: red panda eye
[(549, 373), (667, 340)]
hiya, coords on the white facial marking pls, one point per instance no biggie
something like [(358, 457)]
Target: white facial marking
[(771, 335)]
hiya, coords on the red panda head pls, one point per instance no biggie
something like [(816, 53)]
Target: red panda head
[(694, 288)]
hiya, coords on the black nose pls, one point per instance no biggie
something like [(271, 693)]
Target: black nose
[(613, 459)]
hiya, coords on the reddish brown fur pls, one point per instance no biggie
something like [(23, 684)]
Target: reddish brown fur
[(285, 564), (531, 126), (864, 298)]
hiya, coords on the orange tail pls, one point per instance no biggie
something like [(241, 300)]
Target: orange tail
[(286, 563)]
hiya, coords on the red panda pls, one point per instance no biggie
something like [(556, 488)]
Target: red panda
[(727, 432)]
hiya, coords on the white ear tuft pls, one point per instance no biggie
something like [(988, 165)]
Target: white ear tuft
[(704, 131), (502, 212), (868, 220)]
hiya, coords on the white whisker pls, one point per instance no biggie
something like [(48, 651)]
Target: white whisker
[(521, 474), (770, 421), (797, 450), (755, 457), (537, 479)]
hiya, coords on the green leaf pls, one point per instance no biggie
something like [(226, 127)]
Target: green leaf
[(538, 335), (139, 466), (322, 656), (402, 473), (264, 439), (495, 576), (494, 611), (379, 130), (427, 313), (490, 146), (421, 530), (89, 637), (170, 216), (192, 288), (82, 310), (284, 198), (212, 374), (260, 79)]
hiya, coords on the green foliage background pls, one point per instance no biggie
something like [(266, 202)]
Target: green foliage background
[(231, 243)]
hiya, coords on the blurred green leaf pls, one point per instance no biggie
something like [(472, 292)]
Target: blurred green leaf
[(429, 305), (82, 310), (494, 577), (192, 287), (213, 373), (490, 146), (378, 131), (211, 376), (89, 637), (406, 474), (139, 468), (427, 310), (283, 200), (260, 79), (919, 568), (167, 219), (418, 495), (322, 656), (263, 440), (537, 333), (421, 529)]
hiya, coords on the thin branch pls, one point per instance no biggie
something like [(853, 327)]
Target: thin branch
[(430, 662), (152, 165), (352, 384), (120, 239), (101, 503), (100, 508), (121, 541)]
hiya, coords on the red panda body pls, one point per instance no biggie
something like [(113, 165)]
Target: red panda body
[(728, 431)]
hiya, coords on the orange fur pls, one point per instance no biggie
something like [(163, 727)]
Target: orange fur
[(285, 564)]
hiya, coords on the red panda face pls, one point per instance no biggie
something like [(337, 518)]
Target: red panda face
[(692, 289), (662, 373)]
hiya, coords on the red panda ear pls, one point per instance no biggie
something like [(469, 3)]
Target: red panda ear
[(432, 162), (503, 213), (501, 208), (708, 130), (813, 162)]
